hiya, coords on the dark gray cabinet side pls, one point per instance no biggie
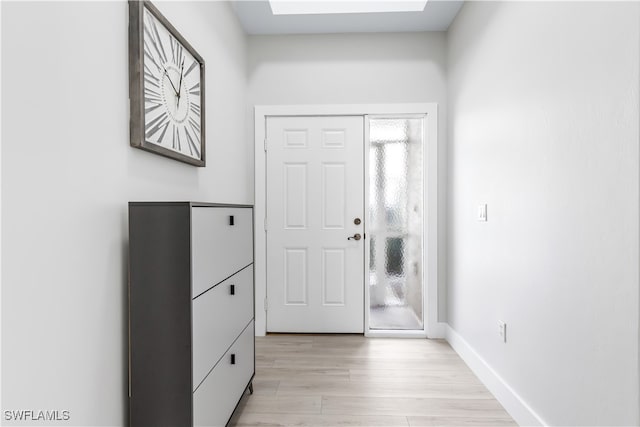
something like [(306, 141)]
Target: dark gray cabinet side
[(160, 315)]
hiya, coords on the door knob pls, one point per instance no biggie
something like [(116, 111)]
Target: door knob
[(356, 236), (357, 221)]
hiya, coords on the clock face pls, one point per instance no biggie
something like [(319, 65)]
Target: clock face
[(172, 96)]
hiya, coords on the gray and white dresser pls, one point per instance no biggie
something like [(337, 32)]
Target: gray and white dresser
[(191, 312)]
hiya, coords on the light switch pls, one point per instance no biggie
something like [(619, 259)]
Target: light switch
[(482, 212), (502, 331)]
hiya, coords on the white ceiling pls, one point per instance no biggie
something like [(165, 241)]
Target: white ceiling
[(256, 18)]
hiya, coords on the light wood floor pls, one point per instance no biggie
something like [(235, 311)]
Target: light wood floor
[(349, 380)]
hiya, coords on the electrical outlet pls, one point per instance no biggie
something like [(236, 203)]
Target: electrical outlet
[(502, 330)]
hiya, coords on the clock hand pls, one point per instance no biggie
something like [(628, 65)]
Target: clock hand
[(180, 84), (181, 75), (174, 88)]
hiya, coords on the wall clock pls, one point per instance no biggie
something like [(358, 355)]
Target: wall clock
[(166, 88)]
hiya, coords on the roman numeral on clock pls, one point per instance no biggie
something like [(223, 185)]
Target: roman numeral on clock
[(193, 147), (154, 37), (155, 125), (176, 142), (151, 78), (195, 89), (195, 126), (148, 54), (177, 51), (150, 94), (195, 109), (190, 69)]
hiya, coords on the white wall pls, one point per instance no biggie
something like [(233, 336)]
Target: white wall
[(544, 129), (352, 69), (347, 68), (67, 174)]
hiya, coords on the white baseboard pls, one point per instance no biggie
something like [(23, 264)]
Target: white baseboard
[(512, 402)]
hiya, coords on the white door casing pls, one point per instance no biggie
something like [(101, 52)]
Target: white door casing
[(315, 191), (434, 328)]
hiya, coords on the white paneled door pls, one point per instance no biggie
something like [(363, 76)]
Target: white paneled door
[(315, 224)]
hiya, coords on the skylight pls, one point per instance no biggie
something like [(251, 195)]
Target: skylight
[(316, 7)]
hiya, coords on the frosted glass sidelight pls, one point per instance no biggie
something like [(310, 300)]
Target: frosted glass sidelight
[(395, 223)]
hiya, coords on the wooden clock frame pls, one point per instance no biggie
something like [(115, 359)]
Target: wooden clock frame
[(136, 83)]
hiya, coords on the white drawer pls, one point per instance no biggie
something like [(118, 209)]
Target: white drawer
[(218, 248), (215, 400), (218, 318)]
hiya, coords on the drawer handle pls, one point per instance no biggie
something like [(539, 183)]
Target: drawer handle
[(233, 359), (232, 220), (232, 289)]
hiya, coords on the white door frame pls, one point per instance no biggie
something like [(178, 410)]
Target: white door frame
[(430, 280)]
